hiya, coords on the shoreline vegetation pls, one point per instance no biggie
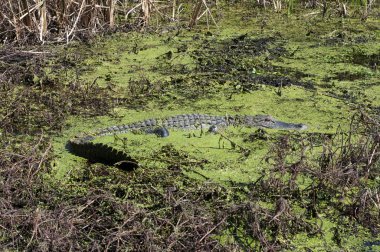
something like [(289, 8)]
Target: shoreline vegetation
[(71, 67), (63, 21)]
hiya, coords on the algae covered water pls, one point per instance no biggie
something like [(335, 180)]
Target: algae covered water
[(294, 70), (237, 189)]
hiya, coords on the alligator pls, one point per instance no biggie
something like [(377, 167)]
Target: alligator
[(83, 146)]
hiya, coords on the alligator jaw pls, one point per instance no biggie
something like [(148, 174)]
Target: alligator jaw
[(267, 121), (288, 126)]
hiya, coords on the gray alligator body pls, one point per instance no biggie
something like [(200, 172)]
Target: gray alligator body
[(84, 147), (196, 121)]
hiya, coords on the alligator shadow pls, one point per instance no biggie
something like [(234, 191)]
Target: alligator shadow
[(101, 153)]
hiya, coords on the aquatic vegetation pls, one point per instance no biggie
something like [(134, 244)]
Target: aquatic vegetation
[(240, 189)]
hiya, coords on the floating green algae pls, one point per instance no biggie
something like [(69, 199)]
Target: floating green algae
[(160, 75), (288, 108)]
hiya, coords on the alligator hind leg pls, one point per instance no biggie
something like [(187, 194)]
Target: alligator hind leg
[(213, 129)]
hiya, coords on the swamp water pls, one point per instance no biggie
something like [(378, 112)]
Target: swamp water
[(307, 71)]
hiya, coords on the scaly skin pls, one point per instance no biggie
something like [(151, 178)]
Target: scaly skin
[(84, 147), (193, 121)]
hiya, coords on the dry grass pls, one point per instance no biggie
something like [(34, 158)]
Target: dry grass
[(65, 20)]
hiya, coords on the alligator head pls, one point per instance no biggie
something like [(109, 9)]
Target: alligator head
[(267, 121)]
